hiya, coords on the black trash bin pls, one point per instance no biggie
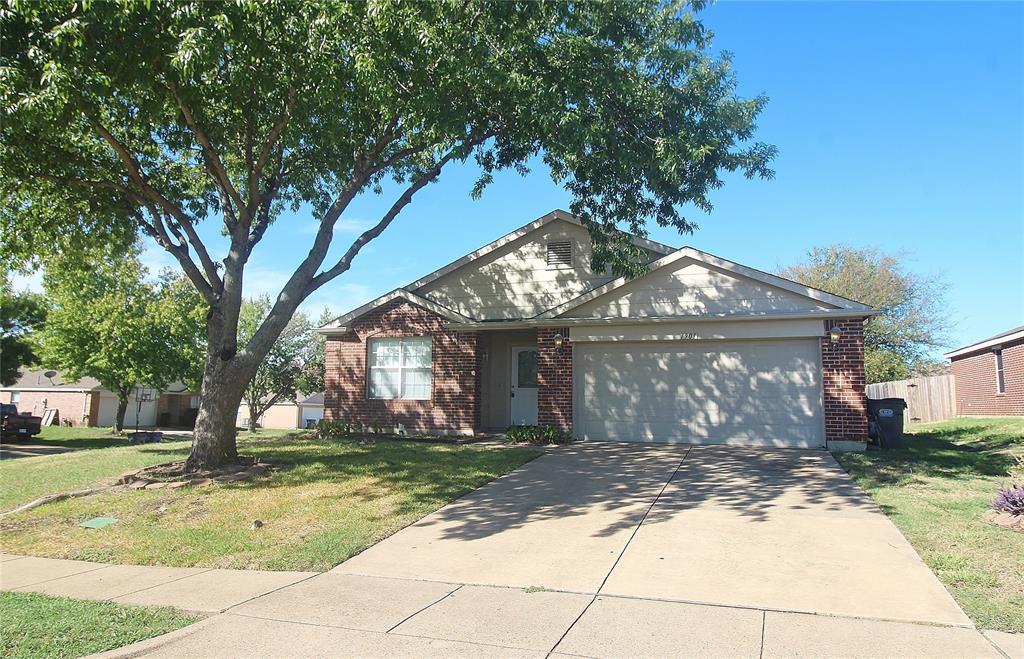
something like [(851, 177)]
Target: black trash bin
[(885, 416)]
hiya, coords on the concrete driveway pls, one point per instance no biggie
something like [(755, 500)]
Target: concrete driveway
[(602, 550), (778, 530)]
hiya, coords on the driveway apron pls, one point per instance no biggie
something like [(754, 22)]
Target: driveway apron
[(778, 529), (774, 529), (560, 522)]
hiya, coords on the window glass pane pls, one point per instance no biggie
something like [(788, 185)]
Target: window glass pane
[(526, 376), (416, 383), (384, 383), (385, 352), (417, 353)]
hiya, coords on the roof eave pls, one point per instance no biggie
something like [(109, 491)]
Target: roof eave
[(342, 323), (824, 314), (988, 344)]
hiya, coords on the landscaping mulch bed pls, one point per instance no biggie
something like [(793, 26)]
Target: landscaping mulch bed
[(172, 475), (1006, 520)]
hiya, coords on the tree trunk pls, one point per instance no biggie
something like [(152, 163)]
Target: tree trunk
[(252, 415), (227, 374), (213, 441), (122, 409)]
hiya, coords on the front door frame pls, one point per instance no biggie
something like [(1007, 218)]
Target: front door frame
[(513, 371)]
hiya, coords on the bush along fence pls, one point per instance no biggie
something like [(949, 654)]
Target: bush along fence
[(928, 398)]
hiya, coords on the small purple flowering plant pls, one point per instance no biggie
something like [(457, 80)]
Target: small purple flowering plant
[(1010, 499)]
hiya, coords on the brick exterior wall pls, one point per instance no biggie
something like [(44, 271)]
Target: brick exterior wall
[(843, 381), (70, 405), (554, 379), (975, 380), (455, 398)]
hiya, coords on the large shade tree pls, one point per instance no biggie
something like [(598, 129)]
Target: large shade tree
[(912, 319), (108, 320), (158, 116), (21, 313)]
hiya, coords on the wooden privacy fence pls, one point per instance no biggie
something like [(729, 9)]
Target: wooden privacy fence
[(928, 399)]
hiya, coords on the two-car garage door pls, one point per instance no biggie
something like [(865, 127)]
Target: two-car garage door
[(758, 393)]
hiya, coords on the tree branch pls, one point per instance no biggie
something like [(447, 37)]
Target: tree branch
[(213, 161), (136, 175), (267, 149), (179, 251), (345, 262)]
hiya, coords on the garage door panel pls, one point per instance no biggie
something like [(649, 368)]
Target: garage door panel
[(753, 392)]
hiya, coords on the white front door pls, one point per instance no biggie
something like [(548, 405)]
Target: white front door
[(524, 386)]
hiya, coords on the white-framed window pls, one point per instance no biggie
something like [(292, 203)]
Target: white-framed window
[(1000, 375), (193, 402), (400, 368), (15, 397)]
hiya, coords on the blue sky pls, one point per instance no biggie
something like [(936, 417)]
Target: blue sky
[(899, 125)]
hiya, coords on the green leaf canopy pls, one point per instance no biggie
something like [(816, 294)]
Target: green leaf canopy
[(167, 113)]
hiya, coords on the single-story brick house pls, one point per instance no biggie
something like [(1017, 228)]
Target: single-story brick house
[(521, 331), (988, 376), (86, 402)]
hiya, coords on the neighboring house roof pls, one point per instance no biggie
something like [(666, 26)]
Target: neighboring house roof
[(38, 380), (819, 303), (313, 400), (1014, 334)]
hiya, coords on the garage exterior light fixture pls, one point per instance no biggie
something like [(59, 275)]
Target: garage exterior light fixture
[(559, 340), (835, 334)]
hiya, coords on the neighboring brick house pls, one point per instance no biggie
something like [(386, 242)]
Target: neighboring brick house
[(86, 402), (522, 331), (989, 376)]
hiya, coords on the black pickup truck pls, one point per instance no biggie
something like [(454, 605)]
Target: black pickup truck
[(13, 424)]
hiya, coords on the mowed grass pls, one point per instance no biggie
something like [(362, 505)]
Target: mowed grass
[(937, 490), (33, 625), (24, 479), (333, 499)]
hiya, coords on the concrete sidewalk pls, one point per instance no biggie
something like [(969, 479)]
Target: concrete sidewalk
[(292, 614)]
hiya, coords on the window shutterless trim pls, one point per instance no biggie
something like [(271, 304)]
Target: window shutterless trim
[(1000, 372), (401, 368)]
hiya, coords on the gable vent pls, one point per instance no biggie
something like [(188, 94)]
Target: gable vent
[(559, 254)]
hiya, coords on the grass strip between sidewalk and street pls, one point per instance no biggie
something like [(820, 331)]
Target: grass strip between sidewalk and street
[(34, 625)]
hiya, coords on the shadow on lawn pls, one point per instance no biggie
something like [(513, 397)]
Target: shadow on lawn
[(100, 441), (423, 473)]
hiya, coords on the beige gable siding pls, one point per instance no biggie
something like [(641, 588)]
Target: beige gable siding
[(515, 281), (691, 288)]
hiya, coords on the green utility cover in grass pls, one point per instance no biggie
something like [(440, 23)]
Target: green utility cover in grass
[(98, 522)]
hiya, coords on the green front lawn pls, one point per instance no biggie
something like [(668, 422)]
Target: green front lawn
[(334, 499), (33, 625), (937, 490), (25, 479)]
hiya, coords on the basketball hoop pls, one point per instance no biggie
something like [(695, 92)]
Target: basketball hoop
[(142, 395)]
